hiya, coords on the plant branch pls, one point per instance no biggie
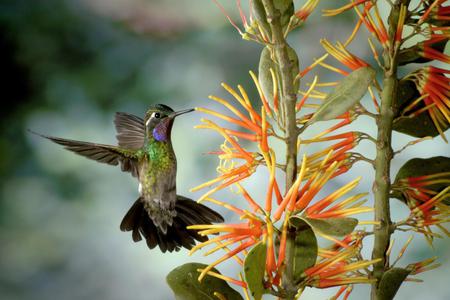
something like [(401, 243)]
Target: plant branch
[(289, 99), (382, 184), (289, 95)]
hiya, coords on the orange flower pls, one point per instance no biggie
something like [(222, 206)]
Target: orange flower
[(255, 128), (423, 266), (442, 13), (341, 269), (375, 27), (428, 51), (430, 212), (344, 56), (339, 151), (299, 198), (426, 204), (347, 289), (336, 11), (433, 85), (436, 11), (244, 235), (304, 12)]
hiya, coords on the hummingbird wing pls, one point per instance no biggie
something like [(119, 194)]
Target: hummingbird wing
[(107, 154), (130, 130)]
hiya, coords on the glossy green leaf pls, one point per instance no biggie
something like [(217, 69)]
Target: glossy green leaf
[(333, 226), (425, 166), (254, 268), (306, 249), (183, 281), (419, 126), (345, 95), (391, 282)]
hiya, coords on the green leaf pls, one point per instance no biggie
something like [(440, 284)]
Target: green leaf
[(333, 226), (422, 167), (264, 75), (260, 15), (345, 95), (419, 126), (254, 268), (266, 63), (391, 282), (185, 285), (286, 9), (306, 249)]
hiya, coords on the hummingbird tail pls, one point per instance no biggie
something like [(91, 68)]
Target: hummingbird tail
[(188, 211)]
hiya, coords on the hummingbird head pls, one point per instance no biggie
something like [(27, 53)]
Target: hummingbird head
[(159, 120)]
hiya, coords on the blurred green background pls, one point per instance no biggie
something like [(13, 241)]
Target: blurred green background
[(68, 65)]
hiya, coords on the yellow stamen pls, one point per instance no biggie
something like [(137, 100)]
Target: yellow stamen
[(222, 245), (247, 296), (352, 36), (220, 276), (376, 223)]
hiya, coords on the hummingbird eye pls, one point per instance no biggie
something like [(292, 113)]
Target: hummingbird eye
[(156, 115)]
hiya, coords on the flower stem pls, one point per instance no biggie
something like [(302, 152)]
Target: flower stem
[(289, 99), (382, 184)]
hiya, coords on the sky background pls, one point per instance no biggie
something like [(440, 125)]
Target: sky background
[(68, 66)]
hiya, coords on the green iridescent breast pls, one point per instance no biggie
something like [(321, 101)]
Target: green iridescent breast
[(160, 155)]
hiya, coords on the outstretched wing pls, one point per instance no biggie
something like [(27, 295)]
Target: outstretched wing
[(110, 155), (130, 131)]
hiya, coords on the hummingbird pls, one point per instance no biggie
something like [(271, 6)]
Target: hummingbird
[(145, 150)]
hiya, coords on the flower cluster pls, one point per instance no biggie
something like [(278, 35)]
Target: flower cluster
[(258, 224), (251, 130), (433, 86), (428, 207)]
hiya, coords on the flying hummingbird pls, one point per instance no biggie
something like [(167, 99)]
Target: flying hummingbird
[(145, 150)]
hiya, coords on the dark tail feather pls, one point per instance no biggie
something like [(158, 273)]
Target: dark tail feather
[(189, 212)]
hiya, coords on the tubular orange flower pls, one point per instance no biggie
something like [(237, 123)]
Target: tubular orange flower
[(243, 234), (433, 85), (341, 209), (344, 56), (401, 22), (436, 11), (339, 151), (425, 204), (377, 29), (244, 21), (304, 12), (348, 290), (259, 129), (442, 13), (299, 198), (341, 269), (429, 52), (423, 266), (336, 11)]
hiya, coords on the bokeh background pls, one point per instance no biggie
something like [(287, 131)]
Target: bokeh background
[(68, 66)]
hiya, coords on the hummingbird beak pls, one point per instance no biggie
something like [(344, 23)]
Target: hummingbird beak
[(180, 112)]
